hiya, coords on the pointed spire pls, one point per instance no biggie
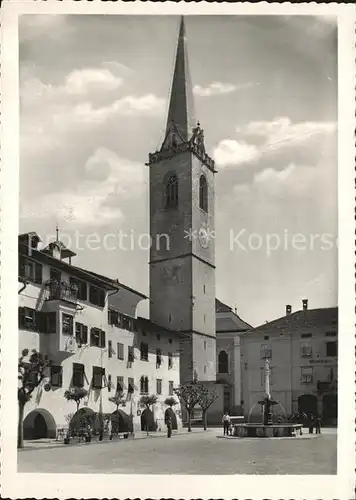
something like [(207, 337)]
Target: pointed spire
[(181, 106)]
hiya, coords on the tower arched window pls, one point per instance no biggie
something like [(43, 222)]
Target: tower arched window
[(171, 191), (203, 193), (223, 362)]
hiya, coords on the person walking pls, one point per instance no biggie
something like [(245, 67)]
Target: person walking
[(226, 423), (311, 423)]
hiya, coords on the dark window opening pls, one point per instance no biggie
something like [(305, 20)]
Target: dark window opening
[(170, 360), (81, 333), (97, 296), (120, 384), (120, 351), (158, 358), (144, 351), (171, 192), (223, 362), (130, 354), (30, 270), (56, 376), (170, 388), (98, 375), (97, 337), (203, 193), (27, 318), (67, 324), (109, 383), (159, 386), (144, 385), (78, 375), (110, 349), (81, 286), (331, 349)]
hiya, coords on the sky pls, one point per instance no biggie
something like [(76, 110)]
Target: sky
[(93, 101)]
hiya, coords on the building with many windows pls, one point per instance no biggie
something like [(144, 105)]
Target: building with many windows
[(302, 349), (87, 325)]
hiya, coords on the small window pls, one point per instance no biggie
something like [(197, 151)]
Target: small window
[(56, 376), (306, 375), (266, 337), (204, 288), (203, 193), (98, 374), (144, 351), (158, 358), (330, 334), (55, 275), (171, 191), (109, 383), (120, 351), (144, 385), (78, 375), (159, 386), (82, 288), (170, 360), (97, 296), (120, 384), (67, 324), (306, 350), (204, 345), (331, 349), (170, 341), (27, 318), (130, 354), (158, 336), (266, 352), (81, 333), (30, 270), (97, 337), (130, 387), (223, 362), (306, 335), (109, 349), (170, 388)]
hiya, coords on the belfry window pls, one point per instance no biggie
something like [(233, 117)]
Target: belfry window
[(223, 362), (203, 193), (171, 191)]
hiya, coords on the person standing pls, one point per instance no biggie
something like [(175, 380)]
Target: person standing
[(226, 423), (311, 423), (169, 426), (318, 425)]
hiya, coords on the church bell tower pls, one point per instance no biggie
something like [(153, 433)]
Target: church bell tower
[(182, 271)]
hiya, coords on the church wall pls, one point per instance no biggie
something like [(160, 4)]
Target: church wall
[(204, 352), (203, 298)]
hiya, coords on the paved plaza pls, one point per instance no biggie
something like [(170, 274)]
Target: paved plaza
[(195, 453)]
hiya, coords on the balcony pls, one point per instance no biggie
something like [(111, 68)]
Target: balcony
[(60, 290)]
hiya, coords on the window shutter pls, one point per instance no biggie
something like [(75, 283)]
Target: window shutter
[(21, 317), (83, 291), (102, 339), (38, 273), (60, 378), (85, 334)]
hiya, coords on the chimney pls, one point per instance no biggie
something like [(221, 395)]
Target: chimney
[(288, 309), (305, 304)]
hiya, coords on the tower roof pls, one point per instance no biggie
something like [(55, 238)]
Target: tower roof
[(181, 106)]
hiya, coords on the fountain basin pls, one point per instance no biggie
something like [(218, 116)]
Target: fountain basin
[(271, 430)]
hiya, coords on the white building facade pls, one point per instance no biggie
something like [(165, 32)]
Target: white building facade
[(87, 325)]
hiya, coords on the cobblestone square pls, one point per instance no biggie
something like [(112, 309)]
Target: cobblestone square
[(195, 453)]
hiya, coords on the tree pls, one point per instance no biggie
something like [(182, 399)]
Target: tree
[(170, 401), (189, 396), (76, 394), (31, 371), (206, 399), (148, 401), (118, 400)]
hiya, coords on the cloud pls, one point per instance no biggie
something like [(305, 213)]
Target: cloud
[(109, 182), (274, 140), (232, 153), (217, 88), (91, 79)]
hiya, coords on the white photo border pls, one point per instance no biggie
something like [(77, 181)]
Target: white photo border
[(16, 485)]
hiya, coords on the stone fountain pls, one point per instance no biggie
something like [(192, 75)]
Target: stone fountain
[(267, 428)]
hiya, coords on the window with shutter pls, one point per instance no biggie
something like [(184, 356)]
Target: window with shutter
[(38, 273), (27, 318), (78, 375), (158, 358), (131, 355), (56, 376), (120, 351), (119, 384), (97, 296), (82, 288), (170, 360), (109, 383), (109, 349), (144, 351), (98, 374), (67, 324), (159, 386), (306, 375), (95, 337), (170, 388), (102, 338), (305, 350)]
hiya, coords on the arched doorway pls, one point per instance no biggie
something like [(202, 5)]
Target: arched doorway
[(173, 416), (329, 404), (148, 420), (39, 424), (308, 403), (121, 422)]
